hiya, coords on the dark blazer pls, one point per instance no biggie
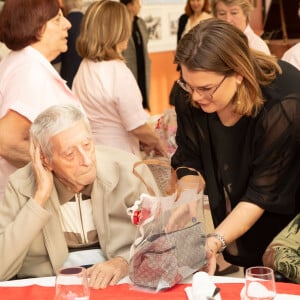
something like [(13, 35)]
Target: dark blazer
[(176, 88), (131, 58), (181, 25), (70, 60)]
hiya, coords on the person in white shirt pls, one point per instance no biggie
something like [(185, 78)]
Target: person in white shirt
[(237, 12), (292, 56)]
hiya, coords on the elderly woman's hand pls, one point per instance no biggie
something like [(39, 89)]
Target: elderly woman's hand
[(108, 273)]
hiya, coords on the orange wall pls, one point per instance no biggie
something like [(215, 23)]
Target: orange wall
[(163, 75)]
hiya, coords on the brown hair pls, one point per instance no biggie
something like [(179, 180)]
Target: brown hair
[(104, 25), (126, 1), (189, 11), (72, 4), (217, 46), (22, 21)]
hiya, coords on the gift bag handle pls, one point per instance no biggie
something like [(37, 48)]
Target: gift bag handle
[(192, 170), (159, 162)]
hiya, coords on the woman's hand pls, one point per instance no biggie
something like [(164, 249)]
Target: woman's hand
[(189, 190), (150, 141), (211, 264)]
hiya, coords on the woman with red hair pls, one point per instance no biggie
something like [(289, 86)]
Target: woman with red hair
[(195, 11), (36, 31)]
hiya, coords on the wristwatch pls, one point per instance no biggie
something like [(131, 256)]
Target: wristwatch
[(220, 238)]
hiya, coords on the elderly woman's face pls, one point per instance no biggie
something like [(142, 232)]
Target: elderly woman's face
[(54, 37), (233, 14)]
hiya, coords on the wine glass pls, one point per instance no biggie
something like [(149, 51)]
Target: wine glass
[(72, 284), (260, 283)]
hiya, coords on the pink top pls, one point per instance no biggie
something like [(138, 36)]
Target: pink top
[(112, 100), (28, 85)]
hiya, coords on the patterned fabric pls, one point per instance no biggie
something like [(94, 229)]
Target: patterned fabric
[(166, 128), (283, 254), (170, 244), (165, 259)]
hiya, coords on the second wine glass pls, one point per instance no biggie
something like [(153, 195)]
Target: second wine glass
[(260, 284), (72, 284)]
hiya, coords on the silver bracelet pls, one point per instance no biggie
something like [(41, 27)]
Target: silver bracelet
[(220, 238)]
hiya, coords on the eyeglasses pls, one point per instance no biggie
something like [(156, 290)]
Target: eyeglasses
[(206, 93)]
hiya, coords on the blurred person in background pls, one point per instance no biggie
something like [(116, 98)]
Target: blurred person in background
[(136, 54), (70, 60), (237, 13), (292, 55), (36, 32), (106, 87), (195, 11)]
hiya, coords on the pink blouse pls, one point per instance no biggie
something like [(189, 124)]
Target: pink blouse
[(112, 101), (28, 85)]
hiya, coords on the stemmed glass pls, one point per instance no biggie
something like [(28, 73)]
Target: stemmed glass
[(72, 284), (260, 283)]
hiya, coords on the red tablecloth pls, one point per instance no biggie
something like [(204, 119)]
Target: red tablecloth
[(229, 291)]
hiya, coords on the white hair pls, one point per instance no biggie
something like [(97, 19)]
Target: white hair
[(53, 120)]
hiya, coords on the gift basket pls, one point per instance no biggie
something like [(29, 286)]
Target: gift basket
[(170, 242)]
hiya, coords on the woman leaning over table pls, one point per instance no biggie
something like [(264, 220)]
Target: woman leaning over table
[(239, 125), (36, 32), (104, 84)]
